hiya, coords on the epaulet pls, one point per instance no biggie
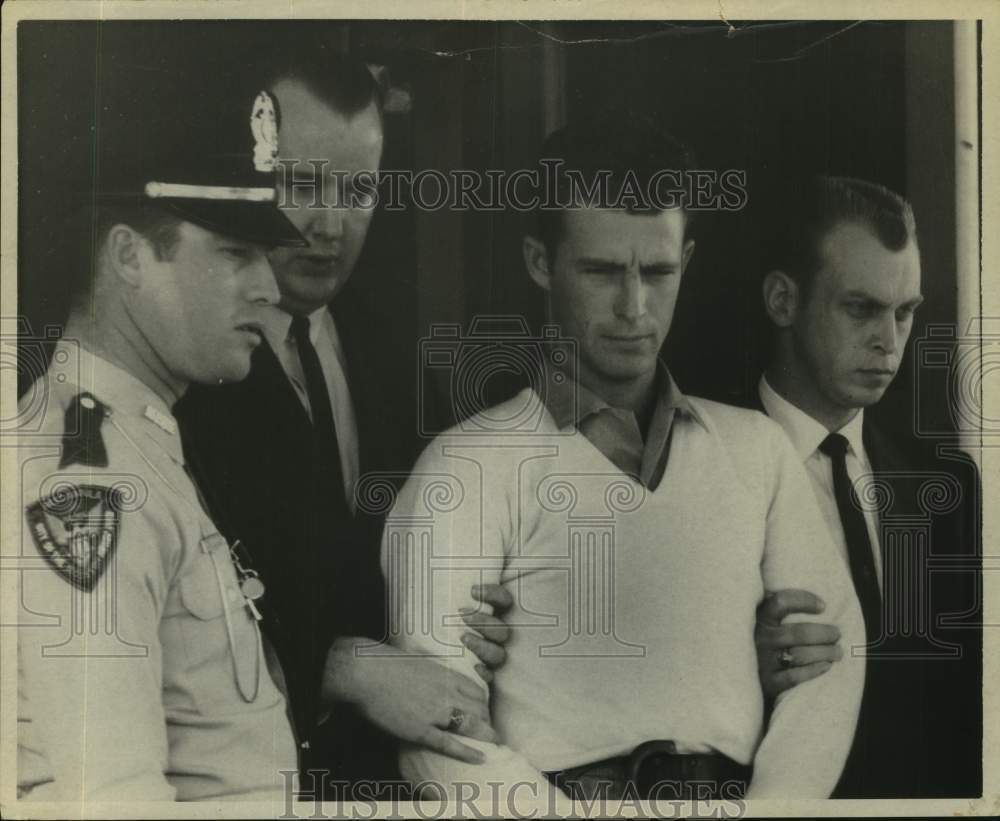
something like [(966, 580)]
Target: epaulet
[(82, 442)]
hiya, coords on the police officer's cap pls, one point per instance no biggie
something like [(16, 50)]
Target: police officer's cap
[(203, 149)]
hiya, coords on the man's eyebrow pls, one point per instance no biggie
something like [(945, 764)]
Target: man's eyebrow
[(597, 262), (878, 303)]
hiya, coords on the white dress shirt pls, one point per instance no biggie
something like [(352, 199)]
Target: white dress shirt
[(807, 434), (326, 341)]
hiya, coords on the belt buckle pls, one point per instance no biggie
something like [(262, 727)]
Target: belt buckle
[(641, 754)]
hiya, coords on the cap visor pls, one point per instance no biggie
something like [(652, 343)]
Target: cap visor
[(258, 222)]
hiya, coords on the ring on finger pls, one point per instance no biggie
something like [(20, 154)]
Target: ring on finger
[(456, 720), (785, 659)]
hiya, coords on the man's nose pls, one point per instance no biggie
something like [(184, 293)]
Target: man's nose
[(328, 223), (262, 287), (886, 334), (631, 301)]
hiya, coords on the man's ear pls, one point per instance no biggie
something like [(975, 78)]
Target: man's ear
[(686, 254), (125, 248), (536, 260), (781, 297)]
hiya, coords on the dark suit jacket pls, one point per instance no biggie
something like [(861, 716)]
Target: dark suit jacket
[(920, 730), (251, 448)]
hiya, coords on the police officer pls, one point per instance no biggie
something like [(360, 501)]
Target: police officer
[(142, 673)]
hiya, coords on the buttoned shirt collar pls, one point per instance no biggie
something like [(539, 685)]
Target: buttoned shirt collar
[(278, 334), (120, 391), (325, 338), (853, 431), (570, 403), (278, 326), (805, 432), (615, 432)]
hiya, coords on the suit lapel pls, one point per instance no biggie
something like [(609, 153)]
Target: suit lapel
[(269, 383), (345, 315), (882, 454)]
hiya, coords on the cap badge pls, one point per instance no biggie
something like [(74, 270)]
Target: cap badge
[(264, 127)]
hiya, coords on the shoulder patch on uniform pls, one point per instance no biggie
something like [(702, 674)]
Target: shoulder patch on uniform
[(76, 530), (82, 442)]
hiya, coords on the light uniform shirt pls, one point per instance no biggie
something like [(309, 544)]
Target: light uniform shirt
[(151, 684), (326, 341), (634, 607), (806, 435)]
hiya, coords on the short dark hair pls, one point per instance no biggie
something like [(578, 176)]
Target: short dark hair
[(617, 144), (158, 225), (799, 217), (342, 82), (91, 225)]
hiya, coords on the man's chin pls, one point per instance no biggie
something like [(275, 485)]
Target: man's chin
[(235, 370), (627, 368), (863, 396), (304, 293)]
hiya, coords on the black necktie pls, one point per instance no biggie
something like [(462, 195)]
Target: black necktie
[(324, 429), (859, 546)]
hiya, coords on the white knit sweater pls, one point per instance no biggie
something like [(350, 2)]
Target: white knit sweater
[(635, 609)]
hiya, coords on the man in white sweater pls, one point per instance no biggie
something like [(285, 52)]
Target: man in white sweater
[(637, 528)]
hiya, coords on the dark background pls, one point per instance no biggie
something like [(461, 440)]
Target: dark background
[(871, 99)]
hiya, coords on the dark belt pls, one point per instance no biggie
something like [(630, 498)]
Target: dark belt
[(655, 770)]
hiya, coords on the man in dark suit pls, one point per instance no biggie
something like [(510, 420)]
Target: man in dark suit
[(291, 460), (842, 282)]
